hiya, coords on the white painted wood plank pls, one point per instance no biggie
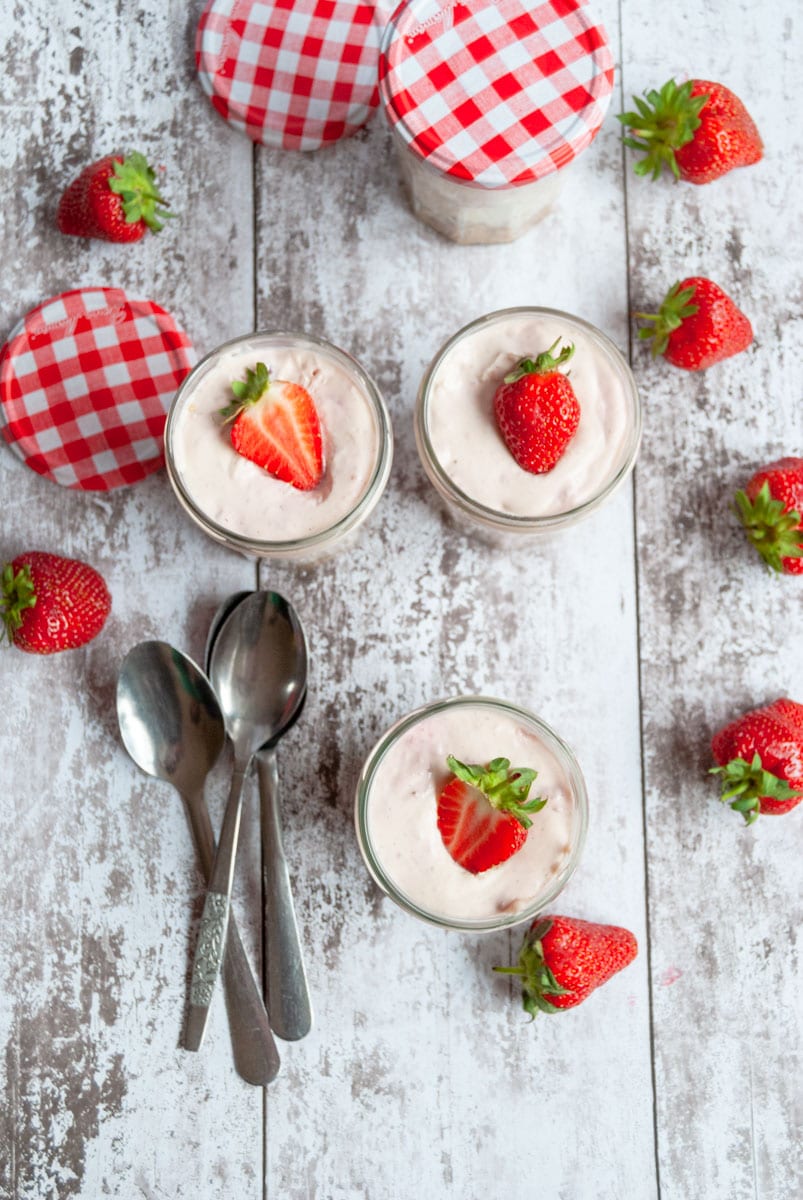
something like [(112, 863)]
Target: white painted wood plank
[(421, 1076), (724, 901), (100, 885)]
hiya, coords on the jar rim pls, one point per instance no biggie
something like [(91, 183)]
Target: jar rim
[(554, 743), (494, 518), (365, 502)]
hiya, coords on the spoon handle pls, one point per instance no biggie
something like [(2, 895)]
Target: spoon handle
[(215, 917), (287, 991), (255, 1055)]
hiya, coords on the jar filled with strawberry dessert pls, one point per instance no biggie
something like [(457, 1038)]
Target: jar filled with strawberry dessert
[(489, 103), (527, 419), (471, 813), (279, 445)]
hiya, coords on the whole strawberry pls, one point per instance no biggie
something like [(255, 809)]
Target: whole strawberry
[(696, 326), (563, 960), (771, 509), (115, 199), (483, 813), (698, 130), (537, 411), (760, 757), (275, 424), (49, 603)]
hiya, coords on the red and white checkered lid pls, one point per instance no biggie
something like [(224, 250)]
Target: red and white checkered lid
[(86, 380), (293, 74), (495, 93)]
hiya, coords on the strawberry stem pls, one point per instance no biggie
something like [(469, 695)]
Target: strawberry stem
[(538, 981), (134, 181), (675, 307), (661, 124), (17, 593), (504, 788), (542, 364), (745, 783), (775, 531)]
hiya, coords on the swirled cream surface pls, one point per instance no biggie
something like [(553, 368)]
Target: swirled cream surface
[(467, 443), (240, 496), (401, 814)]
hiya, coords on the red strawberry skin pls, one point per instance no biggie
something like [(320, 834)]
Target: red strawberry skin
[(784, 478), (726, 138), (71, 605), (281, 432), (476, 835), (89, 208), (775, 734), (718, 330), (582, 955)]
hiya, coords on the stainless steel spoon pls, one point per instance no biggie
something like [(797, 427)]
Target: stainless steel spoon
[(172, 727), (258, 669), (289, 1005)]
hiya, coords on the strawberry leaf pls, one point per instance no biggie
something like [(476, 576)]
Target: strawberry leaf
[(675, 308), (542, 364), (745, 783), (17, 593), (134, 181), (538, 982), (665, 121), (774, 530), (505, 789), (247, 391)]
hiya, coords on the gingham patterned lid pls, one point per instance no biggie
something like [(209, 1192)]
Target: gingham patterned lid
[(495, 92), (86, 380), (294, 74)]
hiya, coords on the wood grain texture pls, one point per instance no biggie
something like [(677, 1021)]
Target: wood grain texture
[(718, 634), (637, 632)]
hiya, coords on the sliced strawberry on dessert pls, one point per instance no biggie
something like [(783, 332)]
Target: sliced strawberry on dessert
[(276, 426), (563, 960), (49, 603), (698, 130), (483, 812), (760, 757), (696, 326), (537, 411), (114, 199), (771, 510)]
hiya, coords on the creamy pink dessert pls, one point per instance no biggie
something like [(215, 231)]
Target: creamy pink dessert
[(459, 440), (397, 814), (240, 499)]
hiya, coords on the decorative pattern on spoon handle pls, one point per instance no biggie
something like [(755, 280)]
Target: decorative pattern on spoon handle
[(210, 950)]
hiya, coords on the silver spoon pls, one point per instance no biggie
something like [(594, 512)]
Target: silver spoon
[(172, 727), (258, 669), (289, 1005)]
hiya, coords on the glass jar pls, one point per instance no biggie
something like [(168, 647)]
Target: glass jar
[(489, 102), (241, 505), (464, 454), (396, 814)]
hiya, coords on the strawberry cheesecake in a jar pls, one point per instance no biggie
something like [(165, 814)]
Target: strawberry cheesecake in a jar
[(489, 103), (279, 445), (527, 419), (471, 813)]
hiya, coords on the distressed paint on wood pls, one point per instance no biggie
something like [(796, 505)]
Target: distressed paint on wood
[(421, 1076)]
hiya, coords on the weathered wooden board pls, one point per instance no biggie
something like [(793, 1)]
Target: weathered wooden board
[(648, 625), (718, 634)]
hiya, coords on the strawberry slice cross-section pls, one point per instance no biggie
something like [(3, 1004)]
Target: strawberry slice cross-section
[(275, 424), (483, 812)]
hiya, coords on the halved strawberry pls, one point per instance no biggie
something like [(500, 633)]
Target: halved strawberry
[(276, 425), (484, 813)]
